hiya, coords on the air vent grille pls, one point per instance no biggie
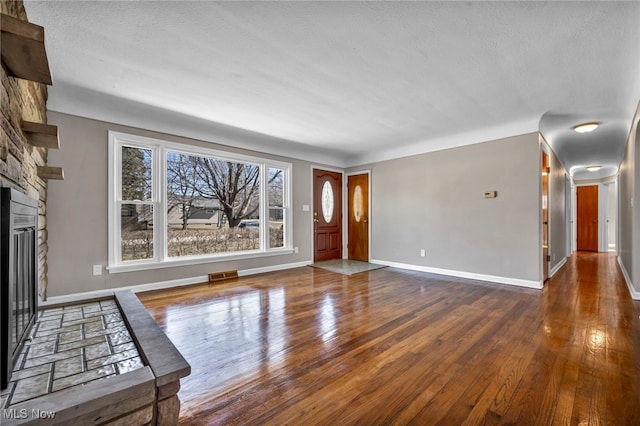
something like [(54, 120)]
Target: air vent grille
[(221, 276)]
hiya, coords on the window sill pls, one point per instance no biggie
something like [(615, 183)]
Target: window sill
[(196, 260)]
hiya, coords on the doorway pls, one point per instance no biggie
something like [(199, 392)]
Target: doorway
[(568, 215), (545, 216), (587, 215), (610, 199), (358, 217), (327, 215)]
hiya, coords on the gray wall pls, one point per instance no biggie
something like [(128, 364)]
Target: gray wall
[(435, 202), (557, 221), (629, 211), (77, 212)]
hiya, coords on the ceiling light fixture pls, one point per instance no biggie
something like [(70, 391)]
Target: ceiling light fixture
[(586, 127), (594, 168)]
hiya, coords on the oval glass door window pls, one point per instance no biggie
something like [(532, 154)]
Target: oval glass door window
[(327, 201), (358, 207)]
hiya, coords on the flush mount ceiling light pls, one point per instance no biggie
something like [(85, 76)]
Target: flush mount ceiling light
[(586, 127), (594, 168)]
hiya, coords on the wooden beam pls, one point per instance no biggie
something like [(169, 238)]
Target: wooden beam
[(23, 51), (43, 135), (46, 172)]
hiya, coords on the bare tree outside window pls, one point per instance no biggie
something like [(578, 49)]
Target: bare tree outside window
[(211, 205), (236, 186)]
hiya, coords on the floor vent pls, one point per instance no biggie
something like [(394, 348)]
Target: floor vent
[(221, 276)]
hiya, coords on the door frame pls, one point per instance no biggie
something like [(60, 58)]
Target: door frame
[(603, 189), (312, 207), (345, 231), (544, 148), (608, 186)]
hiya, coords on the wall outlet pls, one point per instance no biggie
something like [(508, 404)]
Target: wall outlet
[(553, 257), (296, 250), (97, 270), (423, 252)]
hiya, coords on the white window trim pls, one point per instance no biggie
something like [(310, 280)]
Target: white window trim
[(159, 202)]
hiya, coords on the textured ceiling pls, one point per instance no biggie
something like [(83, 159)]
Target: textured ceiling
[(350, 82)]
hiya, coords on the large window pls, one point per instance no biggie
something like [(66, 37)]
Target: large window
[(180, 204)]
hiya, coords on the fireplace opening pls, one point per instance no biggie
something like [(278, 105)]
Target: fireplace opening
[(18, 275)]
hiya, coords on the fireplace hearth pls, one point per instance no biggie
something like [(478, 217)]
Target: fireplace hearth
[(18, 275)]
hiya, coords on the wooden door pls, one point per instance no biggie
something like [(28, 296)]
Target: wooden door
[(358, 211), (327, 215), (587, 213), (545, 216)]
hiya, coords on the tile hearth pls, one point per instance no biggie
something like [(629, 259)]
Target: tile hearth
[(72, 346)]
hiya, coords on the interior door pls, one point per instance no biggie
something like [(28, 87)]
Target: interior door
[(327, 215), (545, 216), (587, 212), (358, 211)]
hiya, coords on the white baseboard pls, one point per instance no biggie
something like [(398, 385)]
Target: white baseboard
[(253, 271), (76, 297), (557, 267), (634, 294), (481, 277)]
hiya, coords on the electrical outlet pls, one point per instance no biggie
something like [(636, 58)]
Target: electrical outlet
[(97, 270), (423, 252), (296, 250)]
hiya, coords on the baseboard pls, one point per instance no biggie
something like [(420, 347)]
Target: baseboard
[(449, 272), (634, 294), (254, 271), (557, 267), (100, 294)]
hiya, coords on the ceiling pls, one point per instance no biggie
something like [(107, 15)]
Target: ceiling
[(347, 83)]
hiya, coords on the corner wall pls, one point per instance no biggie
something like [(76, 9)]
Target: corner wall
[(435, 202), (78, 213), (24, 100)]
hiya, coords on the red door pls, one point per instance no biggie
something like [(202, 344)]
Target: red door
[(327, 215), (587, 213)]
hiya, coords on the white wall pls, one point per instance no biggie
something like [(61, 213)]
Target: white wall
[(629, 210), (435, 202), (77, 213)]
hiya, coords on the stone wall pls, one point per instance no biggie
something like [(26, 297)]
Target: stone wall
[(23, 100)]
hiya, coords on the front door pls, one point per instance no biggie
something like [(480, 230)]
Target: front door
[(327, 215), (358, 190), (587, 213)]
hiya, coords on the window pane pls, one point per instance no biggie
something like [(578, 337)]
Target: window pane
[(327, 201), (136, 231), (276, 227), (275, 180), (136, 174), (213, 205)]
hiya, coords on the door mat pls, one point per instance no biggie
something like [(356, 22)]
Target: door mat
[(345, 266)]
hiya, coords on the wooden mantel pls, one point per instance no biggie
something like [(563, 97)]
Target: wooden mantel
[(22, 50)]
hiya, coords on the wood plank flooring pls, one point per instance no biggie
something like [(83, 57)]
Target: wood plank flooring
[(309, 346)]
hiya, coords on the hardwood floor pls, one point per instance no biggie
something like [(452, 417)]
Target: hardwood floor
[(308, 346)]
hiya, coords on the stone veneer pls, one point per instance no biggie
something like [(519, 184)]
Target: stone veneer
[(23, 100), (101, 361)]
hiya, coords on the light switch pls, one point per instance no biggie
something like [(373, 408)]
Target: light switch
[(305, 207)]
